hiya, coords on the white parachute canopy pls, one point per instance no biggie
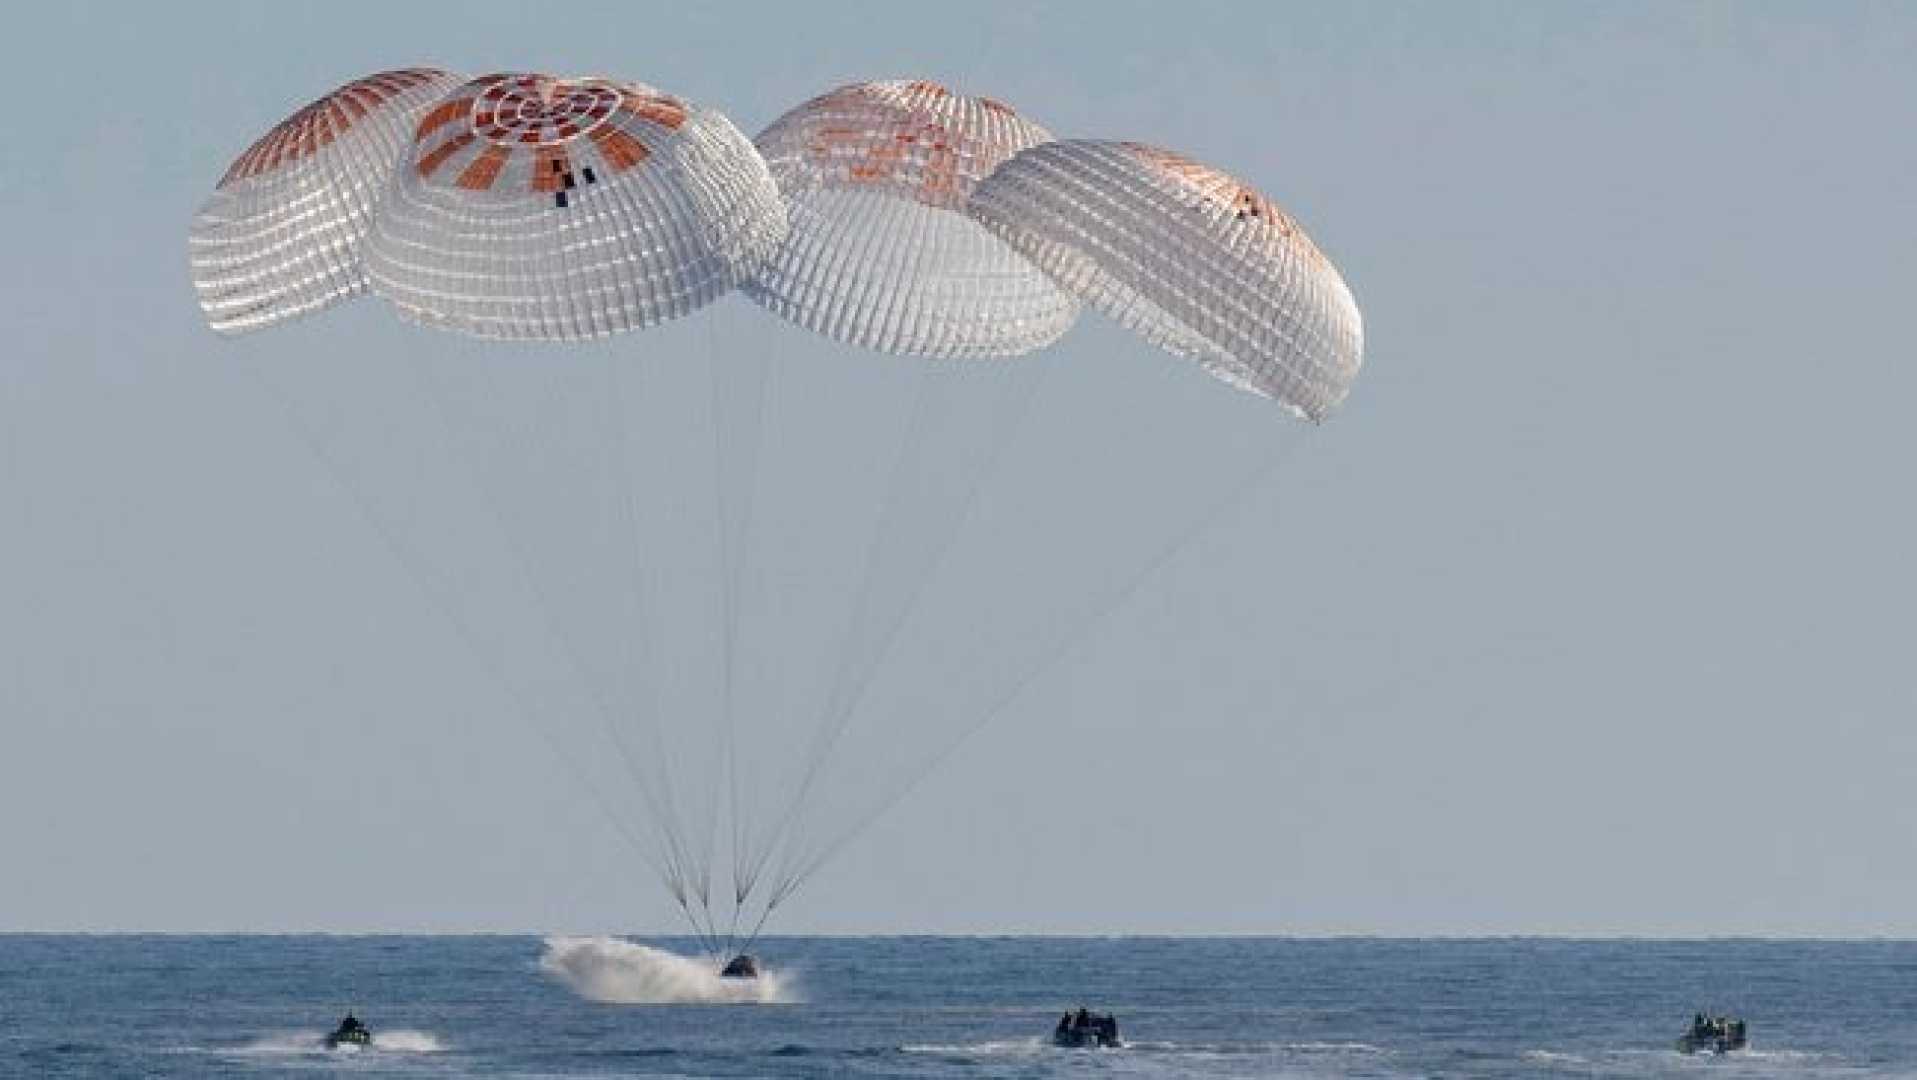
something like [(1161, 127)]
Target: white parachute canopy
[(541, 208), (1191, 259), (281, 235), (876, 176)]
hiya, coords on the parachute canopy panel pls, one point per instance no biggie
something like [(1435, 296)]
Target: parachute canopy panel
[(876, 177), (281, 235), (536, 207), (1189, 258)]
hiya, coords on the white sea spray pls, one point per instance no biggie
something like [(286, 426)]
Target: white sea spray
[(620, 972)]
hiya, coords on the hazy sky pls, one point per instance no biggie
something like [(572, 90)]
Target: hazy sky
[(1590, 612)]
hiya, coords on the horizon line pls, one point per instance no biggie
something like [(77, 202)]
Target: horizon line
[(1199, 935)]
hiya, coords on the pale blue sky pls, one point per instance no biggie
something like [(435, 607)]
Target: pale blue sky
[(1604, 625)]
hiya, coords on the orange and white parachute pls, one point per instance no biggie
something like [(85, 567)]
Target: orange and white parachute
[(876, 176), (535, 207), (281, 235), (1193, 260)]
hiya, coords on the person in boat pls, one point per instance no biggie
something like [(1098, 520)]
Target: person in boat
[(1085, 1028), (349, 1032)]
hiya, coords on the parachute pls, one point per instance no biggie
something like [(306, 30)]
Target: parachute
[(1191, 259), (552, 209), (281, 235), (881, 254), (754, 581)]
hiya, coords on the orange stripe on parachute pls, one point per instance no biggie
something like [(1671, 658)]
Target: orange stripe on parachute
[(620, 150), (664, 111), (437, 156), (322, 121), (444, 113), (484, 169)]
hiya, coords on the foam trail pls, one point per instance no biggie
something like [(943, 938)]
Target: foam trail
[(407, 1042), (994, 1048), (314, 1042), (286, 1042), (620, 972)]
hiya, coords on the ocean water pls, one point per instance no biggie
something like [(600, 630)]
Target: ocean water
[(185, 1006)]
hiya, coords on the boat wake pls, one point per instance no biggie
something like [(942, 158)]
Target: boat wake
[(1644, 1061), (314, 1042), (1037, 1045), (407, 1042), (993, 1048), (619, 972)]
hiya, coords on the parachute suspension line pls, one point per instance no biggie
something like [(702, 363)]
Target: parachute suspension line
[(775, 384), (785, 886), (726, 750), (692, 858), (662, 799), (1008, 416), (739, 422), (781, 890), (661, 804), (911, 440), (745, 945), (708, 942), (854, 674), (827, 726), (461, 626), (637, 618), (1076, 632), (912, 451), (672, 863), (736, 488), (706, 932)]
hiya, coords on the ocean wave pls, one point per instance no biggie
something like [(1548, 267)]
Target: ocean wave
[(1229, 1049), (1333, 1048), (1554, 1057)]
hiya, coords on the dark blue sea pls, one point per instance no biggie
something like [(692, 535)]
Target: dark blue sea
[(185, 1006)]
